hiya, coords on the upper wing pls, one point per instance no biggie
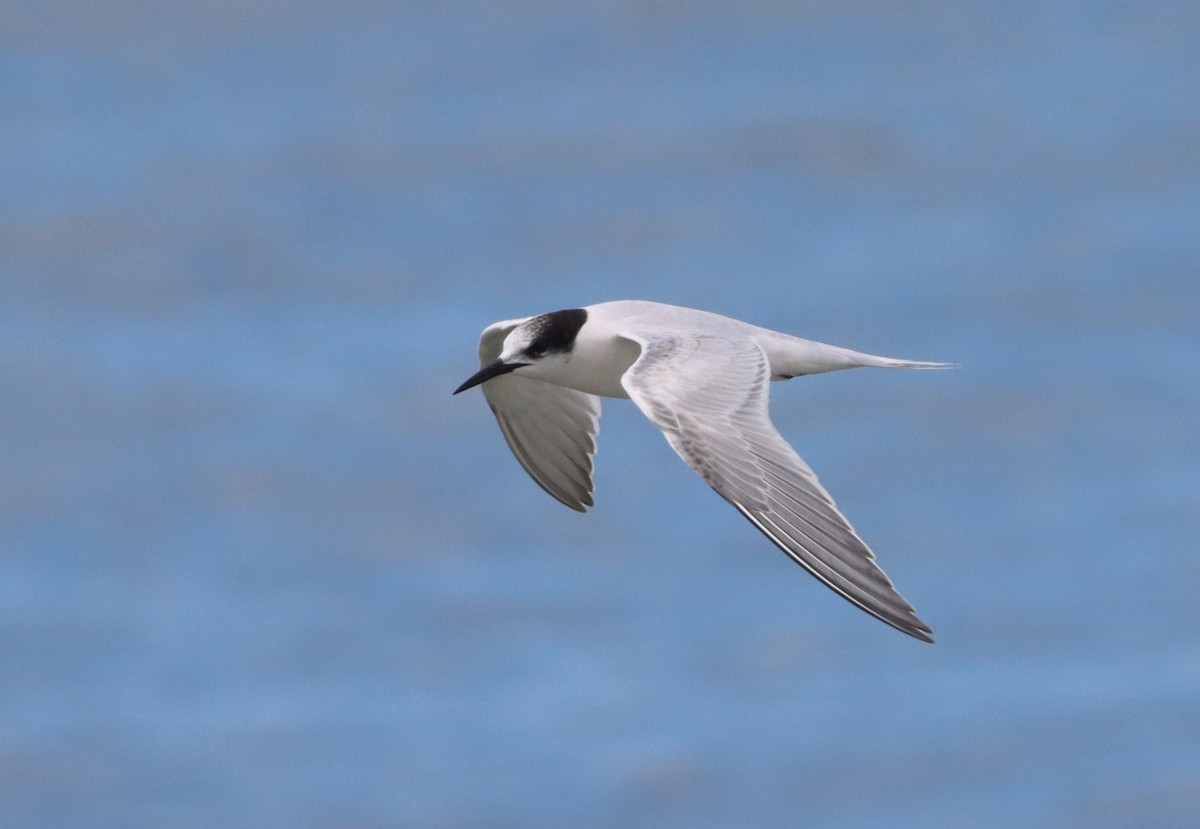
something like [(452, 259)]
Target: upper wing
[(709, 397), (551, 429)]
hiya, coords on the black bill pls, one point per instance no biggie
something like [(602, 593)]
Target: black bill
[(487, 373)]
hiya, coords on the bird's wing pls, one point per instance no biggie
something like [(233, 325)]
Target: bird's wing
[(709, 397), (552, 430)]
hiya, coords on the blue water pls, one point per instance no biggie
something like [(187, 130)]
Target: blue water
[(260, 569)]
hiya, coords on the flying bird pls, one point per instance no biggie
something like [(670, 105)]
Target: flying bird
[(703, 380)]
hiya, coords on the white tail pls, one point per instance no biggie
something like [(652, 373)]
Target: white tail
[(891, 362), (793, 356)]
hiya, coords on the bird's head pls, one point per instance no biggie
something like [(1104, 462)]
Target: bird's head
[(534, 346)]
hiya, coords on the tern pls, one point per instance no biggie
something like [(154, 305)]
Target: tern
[(703, 380)]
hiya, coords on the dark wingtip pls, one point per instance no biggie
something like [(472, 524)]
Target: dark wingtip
[(924, 634)]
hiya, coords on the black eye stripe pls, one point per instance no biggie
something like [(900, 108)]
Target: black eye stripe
[(555, 331)]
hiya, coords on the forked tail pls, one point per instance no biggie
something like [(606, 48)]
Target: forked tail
[(891, 362), (792, 357)]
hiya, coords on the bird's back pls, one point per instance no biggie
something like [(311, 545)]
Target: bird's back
[(789, 355)]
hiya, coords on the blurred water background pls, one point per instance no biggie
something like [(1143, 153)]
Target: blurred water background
[(259, 569)]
